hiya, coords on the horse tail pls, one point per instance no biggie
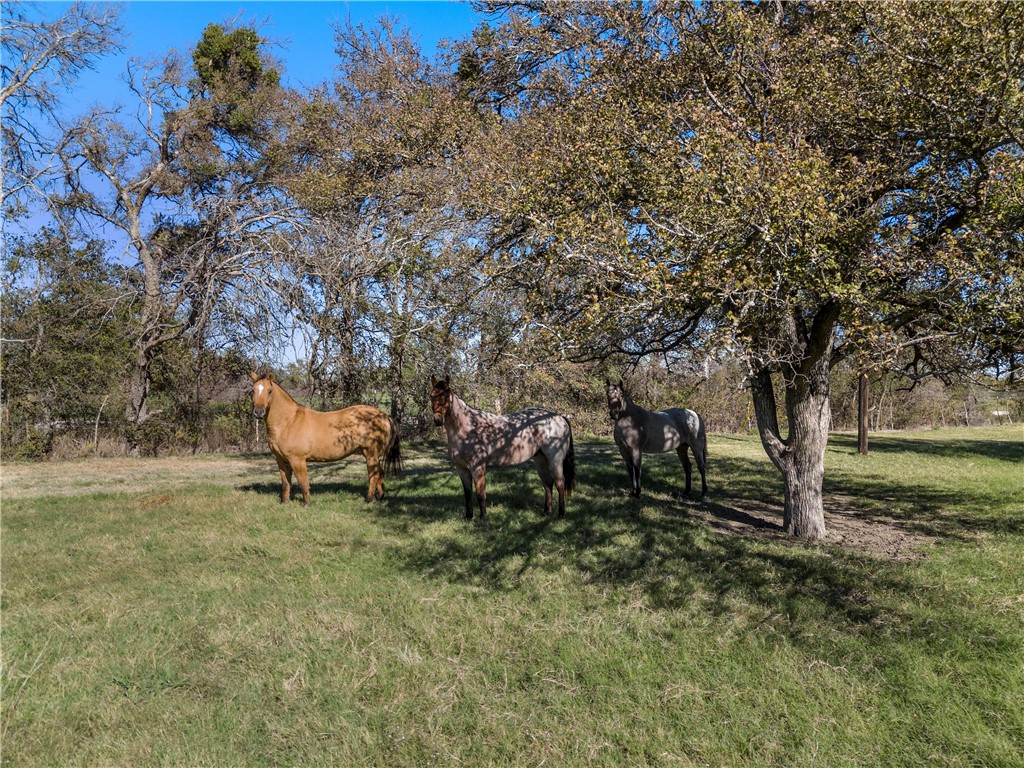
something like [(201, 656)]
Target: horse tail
[(569, 464), (703, 441), (393, 452)]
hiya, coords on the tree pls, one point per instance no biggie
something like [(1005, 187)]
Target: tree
[(375, 168), (41, 59), (192, 198), (65, 342), (798, 182)]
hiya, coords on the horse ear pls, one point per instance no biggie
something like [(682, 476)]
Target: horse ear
[(433, 380), (254, 376), (447, 380), (620, 384), (270, 377)]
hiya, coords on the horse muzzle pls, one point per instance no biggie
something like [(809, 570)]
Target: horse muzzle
[(438, 420), (259, 413)]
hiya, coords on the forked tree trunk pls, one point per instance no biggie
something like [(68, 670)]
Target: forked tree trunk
[(800, 457), (137, 408)]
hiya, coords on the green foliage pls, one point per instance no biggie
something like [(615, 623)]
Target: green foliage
[(220, 52), (67, 347), (231, 72), (724, 172)]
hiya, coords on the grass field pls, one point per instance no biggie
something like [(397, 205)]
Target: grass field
[(171, 612)]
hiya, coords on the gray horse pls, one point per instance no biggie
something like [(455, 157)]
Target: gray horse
[(477, 439), (639, 431)]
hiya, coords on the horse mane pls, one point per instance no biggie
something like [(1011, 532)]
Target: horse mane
[(282, 390), (625, 396)]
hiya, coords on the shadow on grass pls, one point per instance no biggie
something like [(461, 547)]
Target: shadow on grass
[(663, 546), (345, 478), (1000, 450)]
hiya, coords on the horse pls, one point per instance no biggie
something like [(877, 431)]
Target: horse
[(639, 431), (298, 435), (478, 439)]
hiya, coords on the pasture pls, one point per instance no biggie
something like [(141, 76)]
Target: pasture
[(172, 612)]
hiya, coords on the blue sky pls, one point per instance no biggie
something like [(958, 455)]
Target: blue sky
[(301, 30)]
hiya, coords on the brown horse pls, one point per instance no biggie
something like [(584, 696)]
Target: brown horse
[(477, 439), (298, 434)]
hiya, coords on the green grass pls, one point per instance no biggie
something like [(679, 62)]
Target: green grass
[(150, 622)]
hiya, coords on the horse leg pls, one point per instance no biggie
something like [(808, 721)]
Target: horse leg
[(467, 489), (556, 477), (302, 477), (376, 477), (560, 485), (631, 469), (544, 470), (285, 470), (480, 480), (633, 459), (684, 457), (700, 454)]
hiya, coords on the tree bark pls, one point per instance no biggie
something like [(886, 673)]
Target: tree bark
[(396, 375), (800, 457), (862, 414), (137, 409)]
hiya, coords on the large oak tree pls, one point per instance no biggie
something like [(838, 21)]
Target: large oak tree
[(184, 177), (797, 182), (375, 166)]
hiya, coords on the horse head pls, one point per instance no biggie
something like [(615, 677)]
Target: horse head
[(617, 399), (440, 398), (262, 389)]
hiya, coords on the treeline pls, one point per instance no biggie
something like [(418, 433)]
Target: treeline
[(735, 206), (65, 393), (68, 351)]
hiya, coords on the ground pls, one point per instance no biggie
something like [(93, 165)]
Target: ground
[(847, 525)]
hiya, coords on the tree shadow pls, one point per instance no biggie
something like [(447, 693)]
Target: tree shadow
[(665, 548), (1000, 450)]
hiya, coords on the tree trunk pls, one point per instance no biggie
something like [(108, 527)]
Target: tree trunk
[(862, 414), (800, 457), (137, 410), (809, 417), (396, 376), (96, 426)]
